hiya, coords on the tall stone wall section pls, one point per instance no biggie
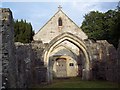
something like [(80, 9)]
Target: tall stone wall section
[(97, 54), (0, 48), (23, 57), (8, 49), (38, 63), (118, 62), (112, 69), (103, 58), (30, 67)]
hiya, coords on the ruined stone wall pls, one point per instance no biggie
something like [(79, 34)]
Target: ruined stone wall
[(8, 49), (108, 61), (38, 63), (21, 63), (101, 63), (23, 57), (30, 67), (106, 64), (103, 60), (0, 48), (118, 62), (111, 67)]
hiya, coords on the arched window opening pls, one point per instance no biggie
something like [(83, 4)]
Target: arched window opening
[(60, 22)]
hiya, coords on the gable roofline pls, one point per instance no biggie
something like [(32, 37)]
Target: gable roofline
[(71, 20), (47, 21), (53, 16)]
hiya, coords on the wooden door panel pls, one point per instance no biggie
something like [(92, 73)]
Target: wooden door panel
[(61, 68)]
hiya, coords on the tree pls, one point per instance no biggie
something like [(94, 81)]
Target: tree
[(116, 33), (23, 31), (103, 26), (92, 25)]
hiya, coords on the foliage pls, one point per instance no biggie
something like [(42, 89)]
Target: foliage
[(23, 31), (100, 26)]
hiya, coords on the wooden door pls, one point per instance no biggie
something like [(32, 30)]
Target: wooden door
[(61, 68)]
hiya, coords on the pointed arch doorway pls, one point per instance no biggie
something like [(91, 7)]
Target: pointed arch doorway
[(76, 41)]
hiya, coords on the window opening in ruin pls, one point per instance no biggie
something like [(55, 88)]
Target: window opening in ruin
[(71, 64), (59, 22)]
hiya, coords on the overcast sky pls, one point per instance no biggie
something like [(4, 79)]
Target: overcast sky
[(38, 13)]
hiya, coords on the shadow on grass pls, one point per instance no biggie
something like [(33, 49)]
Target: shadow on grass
[(77, 83)]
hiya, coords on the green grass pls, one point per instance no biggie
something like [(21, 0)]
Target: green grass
[(77, 83)]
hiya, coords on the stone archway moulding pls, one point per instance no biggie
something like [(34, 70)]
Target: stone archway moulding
[(75, 40)]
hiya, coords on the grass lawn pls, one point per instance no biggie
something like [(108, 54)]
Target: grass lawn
[(77, 83)]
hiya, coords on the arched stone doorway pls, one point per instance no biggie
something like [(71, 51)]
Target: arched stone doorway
[(63, 63), (77, 42)]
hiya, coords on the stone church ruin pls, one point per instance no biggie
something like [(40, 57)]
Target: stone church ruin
[(60, 49)]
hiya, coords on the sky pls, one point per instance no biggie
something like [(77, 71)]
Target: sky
[(38, 13)]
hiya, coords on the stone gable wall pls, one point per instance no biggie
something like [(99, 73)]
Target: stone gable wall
[(51, 29)]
